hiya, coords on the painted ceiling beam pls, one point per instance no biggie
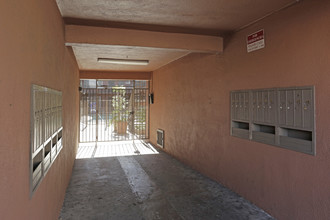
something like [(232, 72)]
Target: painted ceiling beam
[(98, 74), (77, 34)]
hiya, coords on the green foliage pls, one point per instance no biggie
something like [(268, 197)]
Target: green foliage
[(119, 104)]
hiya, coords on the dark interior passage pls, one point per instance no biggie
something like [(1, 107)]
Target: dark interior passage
[(153, 186)]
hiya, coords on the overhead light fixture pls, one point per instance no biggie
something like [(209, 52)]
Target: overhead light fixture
[(123, 61)]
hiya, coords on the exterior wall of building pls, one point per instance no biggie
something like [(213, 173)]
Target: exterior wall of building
[(32, 51), (192, 97)]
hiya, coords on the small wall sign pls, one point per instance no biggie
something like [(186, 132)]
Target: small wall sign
[(255, 41)]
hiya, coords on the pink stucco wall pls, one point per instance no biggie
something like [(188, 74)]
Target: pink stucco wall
[(32, 51), (192, 106)]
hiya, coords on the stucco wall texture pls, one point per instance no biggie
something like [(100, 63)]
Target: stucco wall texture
[(32, 51), (192, 106)]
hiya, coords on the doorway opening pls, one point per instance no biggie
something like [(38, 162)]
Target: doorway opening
[(114, 110)]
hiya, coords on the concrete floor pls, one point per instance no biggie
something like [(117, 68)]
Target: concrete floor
[(150, 186)]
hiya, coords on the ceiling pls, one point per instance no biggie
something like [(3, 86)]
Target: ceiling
[(87, 57), (201, 17)]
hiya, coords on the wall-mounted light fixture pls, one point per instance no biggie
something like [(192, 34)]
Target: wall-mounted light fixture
[(123, 61)]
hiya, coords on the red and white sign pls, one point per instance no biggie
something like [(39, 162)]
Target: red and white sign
[(255, 41)]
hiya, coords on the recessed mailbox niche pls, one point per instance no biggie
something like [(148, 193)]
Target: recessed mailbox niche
[(281, 117)]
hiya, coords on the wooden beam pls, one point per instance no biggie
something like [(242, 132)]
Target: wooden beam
[(77, 34), (85, 74)]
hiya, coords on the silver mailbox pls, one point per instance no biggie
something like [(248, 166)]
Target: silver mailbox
[(308, 108), (240, 106), (282, 117)]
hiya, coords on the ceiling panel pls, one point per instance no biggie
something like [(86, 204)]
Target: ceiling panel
[(221, 15), (87, 55)]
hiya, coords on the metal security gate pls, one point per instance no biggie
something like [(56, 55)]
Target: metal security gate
[(114, 110)]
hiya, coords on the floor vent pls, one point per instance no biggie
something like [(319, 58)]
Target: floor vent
[(160, 138)]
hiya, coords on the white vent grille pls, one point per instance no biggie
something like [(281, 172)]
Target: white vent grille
[(160, 138)]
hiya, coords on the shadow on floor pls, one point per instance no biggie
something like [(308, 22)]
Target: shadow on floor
[(148, 186)]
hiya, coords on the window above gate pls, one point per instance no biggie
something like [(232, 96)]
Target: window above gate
[(93, 84)]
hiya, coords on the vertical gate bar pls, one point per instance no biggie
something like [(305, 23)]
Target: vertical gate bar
[(116, 112), (92, 112), (82, 118), (100, 109), (103, 114), (90, 105), (86, 116), (110, 113), (81, 114), (148, 113), (133, 109), (89, 112), (137, 111), (145, 95), (94, 103), (121, 114), (82, 136), (144, 108), (140, 108), (90, 95), (82, 105), (79, 137), (97, 113), (85, 113), (140, 103), (106, 115)]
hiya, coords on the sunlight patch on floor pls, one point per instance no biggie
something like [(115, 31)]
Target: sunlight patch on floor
[(114, 149)]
